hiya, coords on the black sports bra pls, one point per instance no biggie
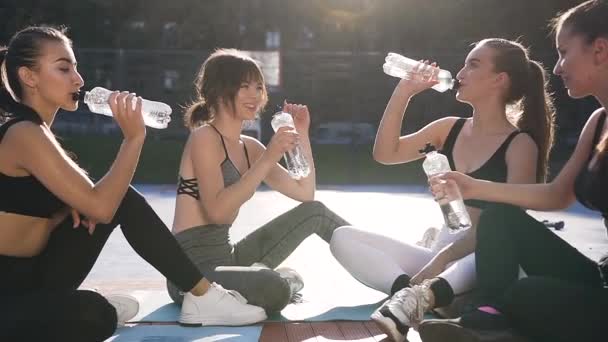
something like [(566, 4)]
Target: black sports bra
[(25, 195), (494, 169), (591, 185)]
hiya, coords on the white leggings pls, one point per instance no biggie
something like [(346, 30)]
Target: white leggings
[(376, 260)]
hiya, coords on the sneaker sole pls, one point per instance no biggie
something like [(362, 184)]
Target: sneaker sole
[(387, 326), (224, 322), (446, 331)]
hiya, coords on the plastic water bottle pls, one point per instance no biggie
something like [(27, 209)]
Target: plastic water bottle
[(403, 67), (296, 162), (452, 206), (156, 114)]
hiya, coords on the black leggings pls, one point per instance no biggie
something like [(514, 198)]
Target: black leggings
[(563, 299), (39, 297)]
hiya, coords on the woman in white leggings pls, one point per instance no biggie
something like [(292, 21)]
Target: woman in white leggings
[(383, 263), (497, 144)]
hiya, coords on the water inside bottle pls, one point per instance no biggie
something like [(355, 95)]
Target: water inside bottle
[(455, 216)]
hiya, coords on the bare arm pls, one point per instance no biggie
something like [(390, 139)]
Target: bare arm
[(521, 159), (39, 154), (558, 194), (278, 178), (392, 148)]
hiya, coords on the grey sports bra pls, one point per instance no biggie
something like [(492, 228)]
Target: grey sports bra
[(230, 173)]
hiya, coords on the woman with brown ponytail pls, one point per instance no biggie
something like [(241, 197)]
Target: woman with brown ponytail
[(46, 249), (565, 296), (507, 140), (221, 169)]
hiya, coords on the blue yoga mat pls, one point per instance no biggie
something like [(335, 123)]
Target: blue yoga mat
[(156, 306)]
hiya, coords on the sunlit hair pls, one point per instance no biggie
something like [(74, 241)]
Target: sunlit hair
[(528, 98), (589, 20), (23, 50), (219, 81)]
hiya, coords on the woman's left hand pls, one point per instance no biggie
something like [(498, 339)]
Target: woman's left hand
[(88, 223), (430, 270), (301, 116)]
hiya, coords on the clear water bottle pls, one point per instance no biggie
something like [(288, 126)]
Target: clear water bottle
[(403, 67), (296, 162), (156, 114), (452, 206)]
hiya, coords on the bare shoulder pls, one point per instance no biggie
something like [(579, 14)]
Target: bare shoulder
[(254, 146), (252, 142), (595, 116), (443, 126), (204, 137), (523, 143), (27, 133), (204, 142)]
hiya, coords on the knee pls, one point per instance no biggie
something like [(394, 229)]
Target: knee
[(340, 240), (132, 201), (279, 294), (313, 207), (95, 314)]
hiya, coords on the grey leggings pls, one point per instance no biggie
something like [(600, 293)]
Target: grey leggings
[(209, 246)]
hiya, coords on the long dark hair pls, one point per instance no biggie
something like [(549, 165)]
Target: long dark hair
[(528, 95), (588, 20), (23, 50), (218, 81)]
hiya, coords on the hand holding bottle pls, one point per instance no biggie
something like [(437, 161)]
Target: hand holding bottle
[(444, 184), (407, 68), (297, 163), (129, 119), (285, 139), (422, 77), (301, 116)]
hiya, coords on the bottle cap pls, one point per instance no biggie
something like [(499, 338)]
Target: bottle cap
[(427, 148)]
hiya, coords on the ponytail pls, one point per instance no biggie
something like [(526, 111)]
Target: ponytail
[(7, 103), (538, 116), (197, 114)]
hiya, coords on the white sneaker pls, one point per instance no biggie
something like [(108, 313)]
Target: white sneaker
[(126, 307), (404, 309), (219, 307)]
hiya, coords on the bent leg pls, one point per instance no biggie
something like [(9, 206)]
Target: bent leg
[(56, 316), (262, 287), (549, 309), (376, 260), (275, 241)]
